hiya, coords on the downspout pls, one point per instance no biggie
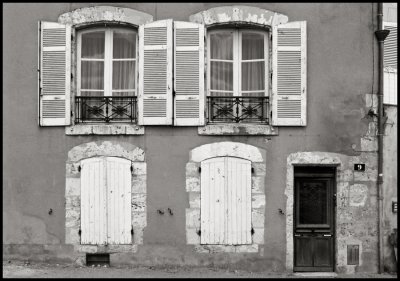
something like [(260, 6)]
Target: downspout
[(380, 34)]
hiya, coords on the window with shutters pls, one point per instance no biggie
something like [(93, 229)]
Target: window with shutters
[(106, 75), (390, 64), (257, 75), (237, 75)]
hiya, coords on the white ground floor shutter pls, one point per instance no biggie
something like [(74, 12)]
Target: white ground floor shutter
[(226, 201), (119, 215), (289, 78), (106, 201), (390, 65), (93, 202), (54, 74)]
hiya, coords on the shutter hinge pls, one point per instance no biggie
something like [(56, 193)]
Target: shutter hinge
[(72, 37), (252, 231), (173, 93), (72, 114), (198, 232), (252, 170), (79, 168), (131, 168), (72, 76), (132, 230), (199, 169), (79, 232)]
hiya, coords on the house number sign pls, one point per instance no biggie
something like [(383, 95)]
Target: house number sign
[(359, 167)]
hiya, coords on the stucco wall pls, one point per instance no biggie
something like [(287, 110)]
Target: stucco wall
[(341, 63)]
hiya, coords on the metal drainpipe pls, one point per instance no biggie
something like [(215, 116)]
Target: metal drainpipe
[(380, 34)]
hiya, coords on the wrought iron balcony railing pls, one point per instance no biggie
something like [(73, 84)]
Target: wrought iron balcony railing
[(238, 110), (105, 109)]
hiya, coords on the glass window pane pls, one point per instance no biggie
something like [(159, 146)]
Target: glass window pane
[(123, 76), (221, 45), (124, 44), (313, 203), (221, 76), (252, 46), (253, 76), (92, 75), (93, 45)]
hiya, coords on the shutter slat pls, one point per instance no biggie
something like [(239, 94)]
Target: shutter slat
[(155, 83), (390, 46), (55, 74), (189, 74), (289, 74)]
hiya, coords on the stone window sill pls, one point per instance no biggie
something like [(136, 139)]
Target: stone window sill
[(238, 130), (102, 129)]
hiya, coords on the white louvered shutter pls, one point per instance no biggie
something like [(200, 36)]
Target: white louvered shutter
[(390, 65), (225, 201), (188, 74), (54, 74), (155, 73), (119, 209), (93, 202), (289, 61)]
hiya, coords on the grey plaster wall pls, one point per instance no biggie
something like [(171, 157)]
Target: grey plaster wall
[(342, 70)]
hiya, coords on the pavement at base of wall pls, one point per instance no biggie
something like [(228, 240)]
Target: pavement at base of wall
[(21, 269)]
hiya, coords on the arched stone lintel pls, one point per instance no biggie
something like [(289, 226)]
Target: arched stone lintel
[(238, 14), (106, 148), (233, 149), (95, 14)]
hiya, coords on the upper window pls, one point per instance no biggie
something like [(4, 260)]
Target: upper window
[(237, 67), (107, 66)]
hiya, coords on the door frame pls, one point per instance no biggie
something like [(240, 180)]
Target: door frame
[(317, 172)]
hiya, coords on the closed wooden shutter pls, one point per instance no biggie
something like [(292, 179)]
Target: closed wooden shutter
[(93, 202), (189, 74), (155, 73), (226, 201), (106, 214), (289, 89), (54, 74), (390, 65), (119, 214)]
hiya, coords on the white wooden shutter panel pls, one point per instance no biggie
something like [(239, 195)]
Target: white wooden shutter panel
[(119, 208), (93, 202), (189, 74), (55, 74), (390, 65), (225, 201), (289, 89), (155, 73)]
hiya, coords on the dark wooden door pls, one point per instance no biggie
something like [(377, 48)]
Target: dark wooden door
[(314, 222)]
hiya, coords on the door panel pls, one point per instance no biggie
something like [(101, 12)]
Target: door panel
[(314, 222)]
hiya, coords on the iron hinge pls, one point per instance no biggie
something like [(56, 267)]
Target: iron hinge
[(79, 168), (132, 230), (252, 170), (72, 76), (131, 168), (252, 231), (198, 232), (199, 169), (79, 232)]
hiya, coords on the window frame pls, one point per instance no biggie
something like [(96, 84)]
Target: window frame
[(237, 60), (108, 59)]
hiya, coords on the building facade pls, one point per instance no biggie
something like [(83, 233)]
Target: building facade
[(196, 134)]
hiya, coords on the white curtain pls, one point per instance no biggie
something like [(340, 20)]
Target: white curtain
[(92, 72), (253, 72), (221, 72), (124, 49)]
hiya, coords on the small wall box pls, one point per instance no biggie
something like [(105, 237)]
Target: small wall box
[(394, 207)]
